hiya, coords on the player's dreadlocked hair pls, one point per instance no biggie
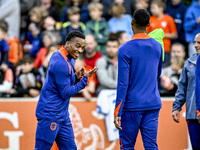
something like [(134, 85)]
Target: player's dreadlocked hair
[(141, 17), (72, 35)]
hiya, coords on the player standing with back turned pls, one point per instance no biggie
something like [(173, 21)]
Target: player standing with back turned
[(61, 83), (138, 101)]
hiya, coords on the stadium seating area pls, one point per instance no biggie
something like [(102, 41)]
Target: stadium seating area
[(30, 31)]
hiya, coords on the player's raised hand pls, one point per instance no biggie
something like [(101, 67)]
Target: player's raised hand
[(91, 72), (176, 115), (117, 122), (79, 74)]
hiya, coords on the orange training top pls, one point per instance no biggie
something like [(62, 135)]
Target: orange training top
[(168, 26)]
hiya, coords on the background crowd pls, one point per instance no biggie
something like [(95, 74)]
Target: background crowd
[(30, 31)]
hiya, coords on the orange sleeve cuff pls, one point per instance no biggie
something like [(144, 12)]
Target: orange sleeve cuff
[(198, 112)]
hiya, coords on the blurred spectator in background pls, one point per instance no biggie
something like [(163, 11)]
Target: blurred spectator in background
[(48, 24), (142, 4), (177, 10), (14, 52), (91, 53), (4, 47), (10, 12), (49, 38), (90, 89), (44, 67), (25, 7), (192, 25), (128, 4), (170, 83), (120, 21), (122, 37), (37, 15), (108, 65), (29, 80), (48, 5), (161, 20), (74, 23), (6, 81), (82, 4), (97, 26), (177, 50), (186, 94)]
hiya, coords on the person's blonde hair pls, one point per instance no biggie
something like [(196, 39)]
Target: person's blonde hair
[(94, 5), (117, 9), (146, 1), (178, 60), (39, 11), (73, 10), (160, 3)]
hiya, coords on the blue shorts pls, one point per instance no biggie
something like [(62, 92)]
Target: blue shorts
[(194, 131), (132, 122), (47, 132)]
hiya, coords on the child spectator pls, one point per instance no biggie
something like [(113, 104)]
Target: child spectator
[(6, 81), (170, 83), (97, 26), (90, 89), (15, 53), (122, 37), (48, 5), (142, 4), (82, 4), (44, 67), (120, 21), (192, 25), (177, 10), (37, 15), (108, 65), (48, 24), (128, 4), (49, 38), (74, 23), (29, 80), (161, 20), (4, 48)]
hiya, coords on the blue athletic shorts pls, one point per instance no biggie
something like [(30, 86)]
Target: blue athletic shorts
[(47, 132), (132, 122)]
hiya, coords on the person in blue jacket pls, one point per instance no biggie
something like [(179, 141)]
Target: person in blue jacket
[(177, 10), (61, 83), (192, 24), (186, 94), (196, 129), (138, 101)]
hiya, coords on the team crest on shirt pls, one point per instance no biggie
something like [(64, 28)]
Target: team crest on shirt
[(163, 24), (53, 126)]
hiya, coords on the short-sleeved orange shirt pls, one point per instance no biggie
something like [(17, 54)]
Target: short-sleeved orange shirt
[(168, 26)]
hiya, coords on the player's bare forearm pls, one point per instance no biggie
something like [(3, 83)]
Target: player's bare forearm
[(171, 36)]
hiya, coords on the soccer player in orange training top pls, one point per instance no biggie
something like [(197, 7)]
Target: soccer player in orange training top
[(61, 83), (138, 101)]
